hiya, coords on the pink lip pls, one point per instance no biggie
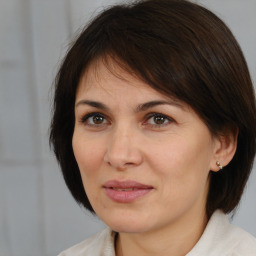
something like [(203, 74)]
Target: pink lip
[(125, 191)]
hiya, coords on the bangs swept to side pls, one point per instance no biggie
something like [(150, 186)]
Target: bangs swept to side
[(183, 51)]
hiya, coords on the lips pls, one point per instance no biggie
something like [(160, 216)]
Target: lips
[(126, 191)]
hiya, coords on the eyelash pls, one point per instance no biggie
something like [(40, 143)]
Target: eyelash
[(158, 115), (86, 117)]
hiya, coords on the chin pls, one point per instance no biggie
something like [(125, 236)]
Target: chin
[(127, 228), (127, 222)]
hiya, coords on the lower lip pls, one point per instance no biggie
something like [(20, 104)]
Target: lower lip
[(126, 196)]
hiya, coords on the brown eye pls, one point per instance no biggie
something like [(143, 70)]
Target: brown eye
[(159, 119), (94, 119), (98, 119)]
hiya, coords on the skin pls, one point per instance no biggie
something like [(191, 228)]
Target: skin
[(125, 142)]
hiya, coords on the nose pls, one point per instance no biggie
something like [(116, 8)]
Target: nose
[(123, 149)]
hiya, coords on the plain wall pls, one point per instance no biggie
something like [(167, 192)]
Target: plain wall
[(37, 214)]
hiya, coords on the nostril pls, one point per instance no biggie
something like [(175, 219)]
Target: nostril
[(129, 163)]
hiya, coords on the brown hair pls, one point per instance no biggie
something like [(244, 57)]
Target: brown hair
[(182, 50)]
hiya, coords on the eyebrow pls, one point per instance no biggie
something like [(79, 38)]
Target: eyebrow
[(151, 104), (142, 107), (91, 103)]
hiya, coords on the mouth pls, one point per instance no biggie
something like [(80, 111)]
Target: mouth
[(126, 191)]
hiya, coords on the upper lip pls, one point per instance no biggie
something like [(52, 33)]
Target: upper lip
[(125, 184)]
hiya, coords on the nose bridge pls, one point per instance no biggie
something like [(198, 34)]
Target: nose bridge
[(122, 149), (122, 135)]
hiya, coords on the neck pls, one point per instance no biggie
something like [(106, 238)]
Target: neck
[(175, 240)]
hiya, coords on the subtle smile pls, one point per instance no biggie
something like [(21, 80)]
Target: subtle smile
[(125, 191)]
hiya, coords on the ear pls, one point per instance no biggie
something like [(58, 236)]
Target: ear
[(225, 145)]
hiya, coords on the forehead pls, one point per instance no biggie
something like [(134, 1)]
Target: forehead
[(101, 70), (116, 88), (113, 78)]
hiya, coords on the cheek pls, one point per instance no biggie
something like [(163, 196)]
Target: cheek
[(182, 164), (171, 156), (88, 154), (183, 175), (89, 157)]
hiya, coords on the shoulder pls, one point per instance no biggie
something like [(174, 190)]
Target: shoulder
[(222, 238), (243, 243), (101, 244)]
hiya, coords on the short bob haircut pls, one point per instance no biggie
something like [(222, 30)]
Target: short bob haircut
[(182, 50)]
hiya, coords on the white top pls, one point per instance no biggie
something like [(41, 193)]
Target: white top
[(220, 238)]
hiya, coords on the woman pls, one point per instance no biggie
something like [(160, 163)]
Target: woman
[(154, 129)]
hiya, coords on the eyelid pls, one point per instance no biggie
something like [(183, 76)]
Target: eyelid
[(154, 114), (145, 121), (86, 116)]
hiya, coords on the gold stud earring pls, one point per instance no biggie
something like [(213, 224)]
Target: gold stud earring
[(219, 165)]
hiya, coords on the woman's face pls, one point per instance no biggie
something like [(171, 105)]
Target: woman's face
[(144, 158)]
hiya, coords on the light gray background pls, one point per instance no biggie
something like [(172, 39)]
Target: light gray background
[(37, 214)]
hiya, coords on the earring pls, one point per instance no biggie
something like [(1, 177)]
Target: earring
[(219, 165)]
